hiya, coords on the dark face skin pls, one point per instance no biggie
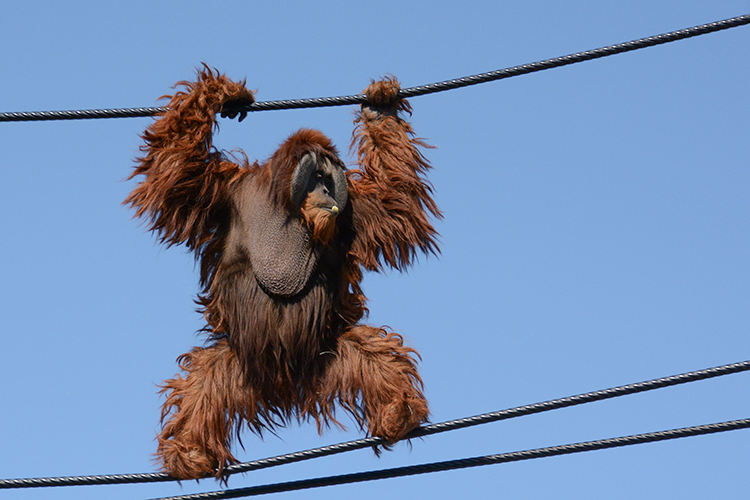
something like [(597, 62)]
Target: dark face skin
[(322, 187), (322, 181)]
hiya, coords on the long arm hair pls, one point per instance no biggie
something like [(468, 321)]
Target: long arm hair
[(187, 182), (390, 195)]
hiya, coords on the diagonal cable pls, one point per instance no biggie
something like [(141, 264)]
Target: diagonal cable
[(589, 397), (318, 102), (464, 463)]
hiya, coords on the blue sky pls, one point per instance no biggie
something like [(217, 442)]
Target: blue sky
[(595, 234)]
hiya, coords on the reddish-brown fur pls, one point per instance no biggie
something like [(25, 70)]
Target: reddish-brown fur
[(269, 359), (322, 224)]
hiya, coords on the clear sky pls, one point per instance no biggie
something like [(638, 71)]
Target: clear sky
[(595, 234)]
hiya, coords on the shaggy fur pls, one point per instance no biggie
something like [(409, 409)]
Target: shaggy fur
[(273, 357)]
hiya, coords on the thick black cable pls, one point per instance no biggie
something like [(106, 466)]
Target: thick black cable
[(589, 397), (496, 416), (81, 114), (318, 102), (464, 463)]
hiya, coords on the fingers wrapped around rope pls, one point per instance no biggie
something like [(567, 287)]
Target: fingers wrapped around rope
[(232, 109), (383, 99)]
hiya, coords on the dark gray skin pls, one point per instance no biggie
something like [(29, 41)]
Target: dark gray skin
[(319, 176), (277, 244)]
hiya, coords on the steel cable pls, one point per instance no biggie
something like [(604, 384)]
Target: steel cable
[(523, 69), (520, 411), (464, 463)]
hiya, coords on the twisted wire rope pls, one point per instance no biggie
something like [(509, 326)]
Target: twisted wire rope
[(589, 397), (523, 69), (464, 463)]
